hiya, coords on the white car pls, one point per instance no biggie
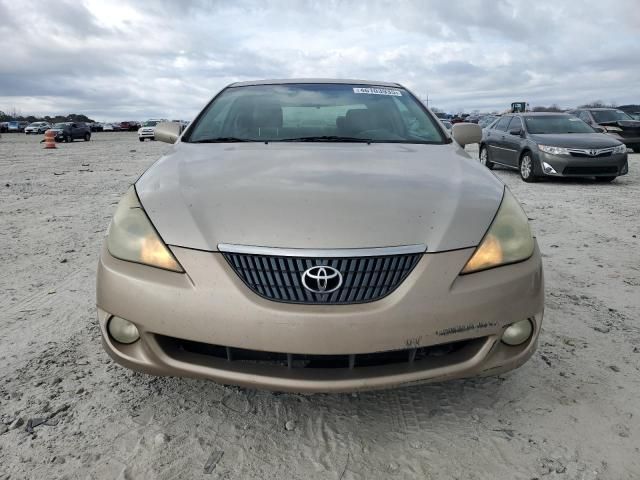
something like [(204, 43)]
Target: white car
[(36, 128), (148, 130), (107, 127)]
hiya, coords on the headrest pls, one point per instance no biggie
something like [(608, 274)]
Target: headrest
[(358, 120)]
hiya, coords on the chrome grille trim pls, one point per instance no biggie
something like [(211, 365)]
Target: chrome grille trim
[(322, 253), (591, 152), (365, 278)]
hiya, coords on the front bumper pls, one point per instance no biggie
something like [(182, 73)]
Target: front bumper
[(570, 166), (148, 134), (211, 305)]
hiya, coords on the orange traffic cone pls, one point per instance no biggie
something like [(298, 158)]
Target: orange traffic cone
[(49, 139)]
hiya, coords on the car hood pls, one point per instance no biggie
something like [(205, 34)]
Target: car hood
[(576, 140), (321, 195), (624, 124)]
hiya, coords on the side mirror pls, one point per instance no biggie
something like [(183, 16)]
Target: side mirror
[(515, 131), (466, 133), (167, 132)]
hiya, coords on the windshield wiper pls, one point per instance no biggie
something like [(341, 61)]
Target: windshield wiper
[(223, 140), (327, 138)]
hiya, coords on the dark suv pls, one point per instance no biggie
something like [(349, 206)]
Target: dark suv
[(554, 145), (70, 131), (614, 122)]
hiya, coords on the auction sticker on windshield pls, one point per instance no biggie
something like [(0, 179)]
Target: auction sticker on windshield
[(377, 91)]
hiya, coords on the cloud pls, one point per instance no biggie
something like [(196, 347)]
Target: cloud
[(137, 59)]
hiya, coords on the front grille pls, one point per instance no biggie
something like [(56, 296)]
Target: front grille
[(584, 154), (238, 356), (365, 279), (590, 170)]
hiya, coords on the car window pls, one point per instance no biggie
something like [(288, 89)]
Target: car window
[(602, 116), (584, 116), (548, 124), (516, 124), (316, 112), (502, 124)]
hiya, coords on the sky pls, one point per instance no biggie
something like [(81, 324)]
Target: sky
[(133, 60)]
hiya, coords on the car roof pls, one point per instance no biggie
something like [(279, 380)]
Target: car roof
[(537, 114), (597, 108), (313, 80)]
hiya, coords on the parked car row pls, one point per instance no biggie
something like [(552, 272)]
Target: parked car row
[(13, 126), (129, 126), (41, 127)]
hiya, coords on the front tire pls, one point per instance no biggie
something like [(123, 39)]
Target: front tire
[(527, 171), (484, 158), (87, 137), (605, 179), (68, 139), (141, 139)]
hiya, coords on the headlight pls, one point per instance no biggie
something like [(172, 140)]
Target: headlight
[(620, 149), (132, 237), (554, 150), (508, 239), (613, 129)]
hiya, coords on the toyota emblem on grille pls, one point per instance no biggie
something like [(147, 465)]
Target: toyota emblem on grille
[(321, 279), (593, 153)]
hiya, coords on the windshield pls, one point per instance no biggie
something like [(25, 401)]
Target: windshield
[(150, 123), (556, 124), (315, 112), (603, 116), (484, 121)]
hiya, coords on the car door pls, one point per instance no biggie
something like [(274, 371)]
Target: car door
[(512, 141), (496, 144)]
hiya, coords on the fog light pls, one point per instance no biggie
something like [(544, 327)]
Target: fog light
[(517, 333), (548, 169), (122, 331)]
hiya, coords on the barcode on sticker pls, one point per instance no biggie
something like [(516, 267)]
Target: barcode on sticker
[(377, 91)]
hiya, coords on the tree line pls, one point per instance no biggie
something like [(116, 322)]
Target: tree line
[(72, 117)]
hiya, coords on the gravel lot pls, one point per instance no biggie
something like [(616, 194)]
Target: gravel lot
[(572, 412)]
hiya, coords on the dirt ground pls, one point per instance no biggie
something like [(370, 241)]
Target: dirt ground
[(572, 412)]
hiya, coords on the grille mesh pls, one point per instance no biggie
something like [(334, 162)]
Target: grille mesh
[(586, 155), (590, 170), (365, 279)]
